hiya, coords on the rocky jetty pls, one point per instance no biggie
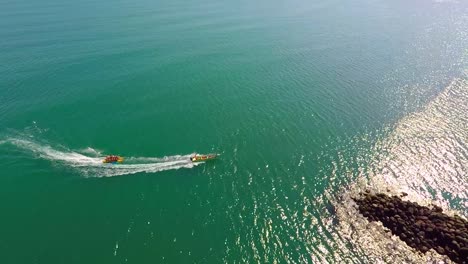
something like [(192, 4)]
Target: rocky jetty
[(421, 227)]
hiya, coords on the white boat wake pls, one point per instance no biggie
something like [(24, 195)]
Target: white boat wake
[(90, 164)]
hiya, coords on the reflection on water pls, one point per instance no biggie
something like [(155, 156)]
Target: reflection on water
[(425, 156)]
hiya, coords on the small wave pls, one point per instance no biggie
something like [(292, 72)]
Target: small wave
[(109, 170), (93, 166), (91, 151)]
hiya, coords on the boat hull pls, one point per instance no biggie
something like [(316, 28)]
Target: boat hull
[(202, 158), (120, 160)]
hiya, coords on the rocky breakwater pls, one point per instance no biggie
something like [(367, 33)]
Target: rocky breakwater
[(422, 228)]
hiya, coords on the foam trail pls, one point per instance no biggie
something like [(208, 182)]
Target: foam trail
[(93, 166), (91, 151)]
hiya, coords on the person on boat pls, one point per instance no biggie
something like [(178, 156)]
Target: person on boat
[(111, 158)]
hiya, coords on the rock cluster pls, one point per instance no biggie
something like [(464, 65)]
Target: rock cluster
[(421, 227)]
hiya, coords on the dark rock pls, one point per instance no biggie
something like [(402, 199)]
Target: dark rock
[(447, 248), (426, 244), (462, 239), (433, 215), (464, 251), (449, 236), (437, 209), (419, 223), (440, 250), (380, 195), (420, 227), (423, 217)]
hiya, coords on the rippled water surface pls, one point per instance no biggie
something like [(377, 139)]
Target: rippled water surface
[(307, 102)]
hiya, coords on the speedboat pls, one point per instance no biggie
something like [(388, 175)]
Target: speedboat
[(113, 159), (200, 158)]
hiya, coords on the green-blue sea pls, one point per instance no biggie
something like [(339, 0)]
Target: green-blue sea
[(307, 102)]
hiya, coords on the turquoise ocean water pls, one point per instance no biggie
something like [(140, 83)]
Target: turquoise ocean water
[(307, 102)]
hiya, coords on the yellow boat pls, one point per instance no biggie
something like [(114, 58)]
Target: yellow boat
[(200, 158)]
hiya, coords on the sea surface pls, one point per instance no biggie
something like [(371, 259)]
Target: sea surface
[(308, 103)]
